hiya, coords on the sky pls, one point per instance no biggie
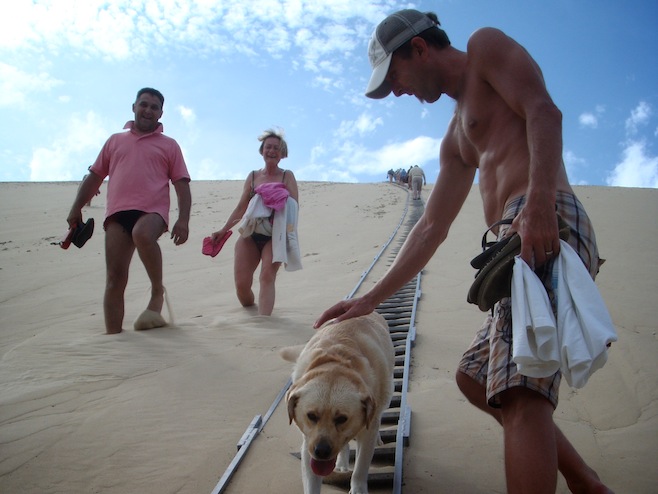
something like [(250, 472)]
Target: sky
[(229, 69)]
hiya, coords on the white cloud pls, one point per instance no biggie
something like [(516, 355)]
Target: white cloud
[(319, 36), (349, 159), (572, 163), (131, 29), (18, 25), (211, 169), (70, 155), (591, 119), (93, 26), (418, 151), (639, 116), (588, 120), (187, 114), (364, 124), (16, 85), (637, 168)]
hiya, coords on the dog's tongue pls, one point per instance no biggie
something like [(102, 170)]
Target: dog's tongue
[(322, 468)]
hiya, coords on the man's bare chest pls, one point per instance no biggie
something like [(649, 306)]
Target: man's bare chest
[(475, 111), (458, 134)]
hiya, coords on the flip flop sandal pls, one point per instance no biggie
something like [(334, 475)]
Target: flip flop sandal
[(493, 281), (82, 233), (210, 249), (78, 235)]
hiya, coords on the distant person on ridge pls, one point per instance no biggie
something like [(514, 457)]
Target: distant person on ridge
[(416, 181)]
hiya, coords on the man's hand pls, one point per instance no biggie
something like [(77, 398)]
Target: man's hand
[(180, 232), (346, 309), (540, 239), (75, 218)]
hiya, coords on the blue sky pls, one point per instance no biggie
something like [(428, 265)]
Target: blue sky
[(229, 69)]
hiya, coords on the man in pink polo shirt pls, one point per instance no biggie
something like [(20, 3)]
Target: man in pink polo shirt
[(140, 163)]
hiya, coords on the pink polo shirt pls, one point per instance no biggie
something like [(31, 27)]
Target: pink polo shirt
[(140, 168)]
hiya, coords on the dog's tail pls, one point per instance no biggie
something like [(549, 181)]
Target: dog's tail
[(291, 353)]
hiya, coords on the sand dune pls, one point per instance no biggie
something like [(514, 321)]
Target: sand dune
[(161, 411)]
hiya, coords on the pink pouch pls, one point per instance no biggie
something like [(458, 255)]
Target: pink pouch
[(211, 249)]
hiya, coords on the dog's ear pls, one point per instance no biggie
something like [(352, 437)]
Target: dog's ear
[(292, 398), (369, 406)]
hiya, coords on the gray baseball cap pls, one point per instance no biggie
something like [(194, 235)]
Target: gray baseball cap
[(391, 34)]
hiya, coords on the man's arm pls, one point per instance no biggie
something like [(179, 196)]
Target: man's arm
[(444, 203), (517, 78), (86, 192), (181, 229)]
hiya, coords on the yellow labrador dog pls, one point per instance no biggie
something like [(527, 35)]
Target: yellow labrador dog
[(341, 384)]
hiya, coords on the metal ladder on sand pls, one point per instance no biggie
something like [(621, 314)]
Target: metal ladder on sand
[(399, 311)]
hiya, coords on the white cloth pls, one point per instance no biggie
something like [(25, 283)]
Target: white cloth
[(285, 244), (577, 343), (256, 212), (535, 347), (587, 328)]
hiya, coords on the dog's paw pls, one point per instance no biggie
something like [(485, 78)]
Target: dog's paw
[(359, 489)]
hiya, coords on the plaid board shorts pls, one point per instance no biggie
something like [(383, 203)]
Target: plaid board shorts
[(488, 360)]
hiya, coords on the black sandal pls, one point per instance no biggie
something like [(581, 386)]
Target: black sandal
[(82, 233)]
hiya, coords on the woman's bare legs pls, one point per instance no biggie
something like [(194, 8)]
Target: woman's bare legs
[(246, 261), (247, 258), (267, 281)]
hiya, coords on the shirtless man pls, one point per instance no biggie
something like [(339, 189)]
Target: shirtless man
[(506, 126)]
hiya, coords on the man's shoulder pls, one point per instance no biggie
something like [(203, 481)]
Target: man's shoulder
[(161, 135), (485, 35), (163, 139), (127, 136), (485, 40), (118, 137)]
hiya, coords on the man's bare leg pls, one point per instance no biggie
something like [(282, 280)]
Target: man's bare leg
[(530, 448), (146, 233), (580, 478), (119, 250)]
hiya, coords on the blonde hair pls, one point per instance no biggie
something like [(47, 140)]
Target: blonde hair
[(274, 133)]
